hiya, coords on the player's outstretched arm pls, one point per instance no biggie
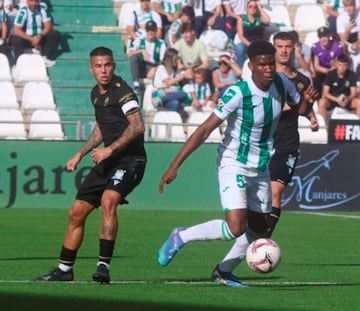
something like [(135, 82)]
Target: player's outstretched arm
[(194, 141)]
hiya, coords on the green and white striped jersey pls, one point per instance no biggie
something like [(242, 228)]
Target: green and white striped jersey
[(252, 117), (172, 6), (32, 22)]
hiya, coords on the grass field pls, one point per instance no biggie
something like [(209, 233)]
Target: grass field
[(319, 271)]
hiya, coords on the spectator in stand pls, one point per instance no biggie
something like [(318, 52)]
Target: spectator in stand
[(4, 46), (250, 27), (136, 21), (174, 34), (339, 89), (167, 83), (348, 28), (324, 53), (234, 9), (333, 9), (145, 54), (169, 10), (199, 92), (33, 29), (226, 75), (191, 50), (302, 56), (208, 15)]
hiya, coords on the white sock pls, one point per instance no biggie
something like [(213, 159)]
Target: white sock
[(238, 251), (64, 268), (236, 254), (212, 230)]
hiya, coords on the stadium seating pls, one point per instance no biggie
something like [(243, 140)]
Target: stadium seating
[(198, 117), (309, 17), (279, 16), (45, 125), (310, 137), (12, 124), (310, 38), (167, 125), (37, 95), (8, 95), (343, 114), (5, 72), (30, 67)]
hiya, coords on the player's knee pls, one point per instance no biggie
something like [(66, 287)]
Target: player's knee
[(235, 229)]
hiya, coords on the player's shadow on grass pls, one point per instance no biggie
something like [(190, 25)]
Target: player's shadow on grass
[(17, 258), (40, 303)]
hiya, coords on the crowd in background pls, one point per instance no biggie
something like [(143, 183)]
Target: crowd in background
[(164, 41)]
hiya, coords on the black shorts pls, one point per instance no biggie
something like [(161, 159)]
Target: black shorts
[(282, 166), (122, 177)]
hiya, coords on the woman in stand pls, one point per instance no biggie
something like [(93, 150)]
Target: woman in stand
[(250, 27), (167, 82)]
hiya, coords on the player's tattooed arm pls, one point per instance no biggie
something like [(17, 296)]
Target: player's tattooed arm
[(135, 128), (93, 141)]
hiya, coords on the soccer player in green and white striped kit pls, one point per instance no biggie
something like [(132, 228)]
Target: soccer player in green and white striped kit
[(252, 109)]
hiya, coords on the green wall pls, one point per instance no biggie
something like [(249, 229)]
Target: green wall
[(32, 174)]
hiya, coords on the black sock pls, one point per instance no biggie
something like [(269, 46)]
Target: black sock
[(272, 220), (67, 256), (106, 250)]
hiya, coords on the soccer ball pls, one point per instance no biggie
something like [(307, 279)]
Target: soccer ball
[(263, 255)]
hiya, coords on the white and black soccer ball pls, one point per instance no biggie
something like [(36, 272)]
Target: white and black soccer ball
[(263, 255)]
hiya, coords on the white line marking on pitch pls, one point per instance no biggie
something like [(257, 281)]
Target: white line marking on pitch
[(140, 282), (329, 215)]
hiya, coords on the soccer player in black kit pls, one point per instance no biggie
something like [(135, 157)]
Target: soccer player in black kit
[(282, 163), (119, 166)]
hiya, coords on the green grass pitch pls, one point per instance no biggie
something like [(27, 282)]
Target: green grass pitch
[(319, 270)]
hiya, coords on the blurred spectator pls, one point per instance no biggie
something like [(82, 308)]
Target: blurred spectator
[(191, 50), (33, 29), (333, 9), (208, 14), (339, 89), (167, 80), (174, 33), (302, 55), (145, 54), (324, 53), (198, 92), (234, 9), (250, 27), (169, 10), (4, 47), (136, 21), (226, 75), (348, 28)]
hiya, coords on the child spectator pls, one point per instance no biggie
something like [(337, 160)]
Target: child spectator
[(199, 92)]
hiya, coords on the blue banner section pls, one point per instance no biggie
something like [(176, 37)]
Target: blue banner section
[(326, 177)]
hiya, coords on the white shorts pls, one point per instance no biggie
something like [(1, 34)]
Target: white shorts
[(242, 188)]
